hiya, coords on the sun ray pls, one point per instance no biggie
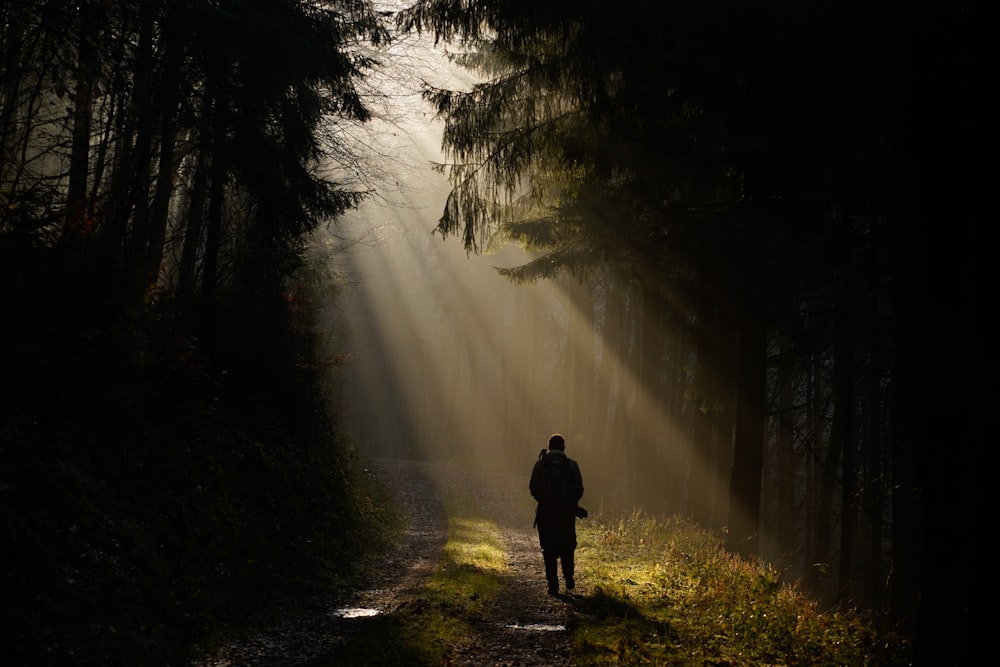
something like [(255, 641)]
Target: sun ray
[(448, 359)]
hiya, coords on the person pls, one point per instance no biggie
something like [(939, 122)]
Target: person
[(557, 485)]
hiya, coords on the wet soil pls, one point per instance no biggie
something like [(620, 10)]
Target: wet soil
[(525, 626)]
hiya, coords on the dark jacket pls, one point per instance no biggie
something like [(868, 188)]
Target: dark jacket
[(556, 520), (537, 477)]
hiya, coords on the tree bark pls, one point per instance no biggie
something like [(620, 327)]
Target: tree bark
[(874, 487), (748, 454), (79, 161), (843, 434), (785, 482), (167, 169)]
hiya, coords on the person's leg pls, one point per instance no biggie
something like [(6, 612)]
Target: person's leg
[(551, 570), (548, 539), (567, 568), (567, 548)]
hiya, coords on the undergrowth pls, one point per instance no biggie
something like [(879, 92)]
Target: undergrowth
[(660, 591), (665, 592), (165, 476)]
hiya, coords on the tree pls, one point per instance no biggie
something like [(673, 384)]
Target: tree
[(126, 72), (159, 176), (715, 157)]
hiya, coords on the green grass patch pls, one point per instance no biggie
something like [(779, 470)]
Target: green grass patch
[(428, 630), (662, 591), (671, 595)]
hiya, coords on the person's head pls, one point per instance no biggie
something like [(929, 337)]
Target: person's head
[(556, 441)]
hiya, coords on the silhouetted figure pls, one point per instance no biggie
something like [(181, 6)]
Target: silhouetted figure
[(557, 485)]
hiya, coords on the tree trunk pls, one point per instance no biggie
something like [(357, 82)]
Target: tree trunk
[(148, 118), (843, 435), (784, 524), (748, 455), (218, 173), (703, 413), (681, 479), (907, 426), (874, 489), (726, 391), (79, 161), (194, 228), (166, 174)]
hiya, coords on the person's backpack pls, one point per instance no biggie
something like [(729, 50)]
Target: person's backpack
[(557, 483)]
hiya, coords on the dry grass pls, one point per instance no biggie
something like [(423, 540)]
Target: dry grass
[(667, 593)]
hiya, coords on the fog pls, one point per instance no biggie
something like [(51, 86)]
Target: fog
[(444, 358)]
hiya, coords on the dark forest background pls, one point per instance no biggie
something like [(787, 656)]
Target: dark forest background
[(775, 210)]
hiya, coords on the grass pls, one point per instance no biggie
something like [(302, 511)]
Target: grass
[(671, 595), (430, 629), (662, 592)]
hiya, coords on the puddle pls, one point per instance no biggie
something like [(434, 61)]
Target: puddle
[(538, 627), (355, 612)]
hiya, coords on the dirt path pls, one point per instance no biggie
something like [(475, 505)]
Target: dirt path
[(525, 627)]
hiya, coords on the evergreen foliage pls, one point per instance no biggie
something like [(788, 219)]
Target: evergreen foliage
[(168, 460), (752, 188)]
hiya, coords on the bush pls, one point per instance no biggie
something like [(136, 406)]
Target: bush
[(147, 498)]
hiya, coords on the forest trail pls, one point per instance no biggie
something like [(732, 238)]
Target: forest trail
[(524, 626)]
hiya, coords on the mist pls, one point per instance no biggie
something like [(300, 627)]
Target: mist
[(445, 358)]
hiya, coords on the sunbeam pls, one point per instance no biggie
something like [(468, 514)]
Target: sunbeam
[(448, 359)]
